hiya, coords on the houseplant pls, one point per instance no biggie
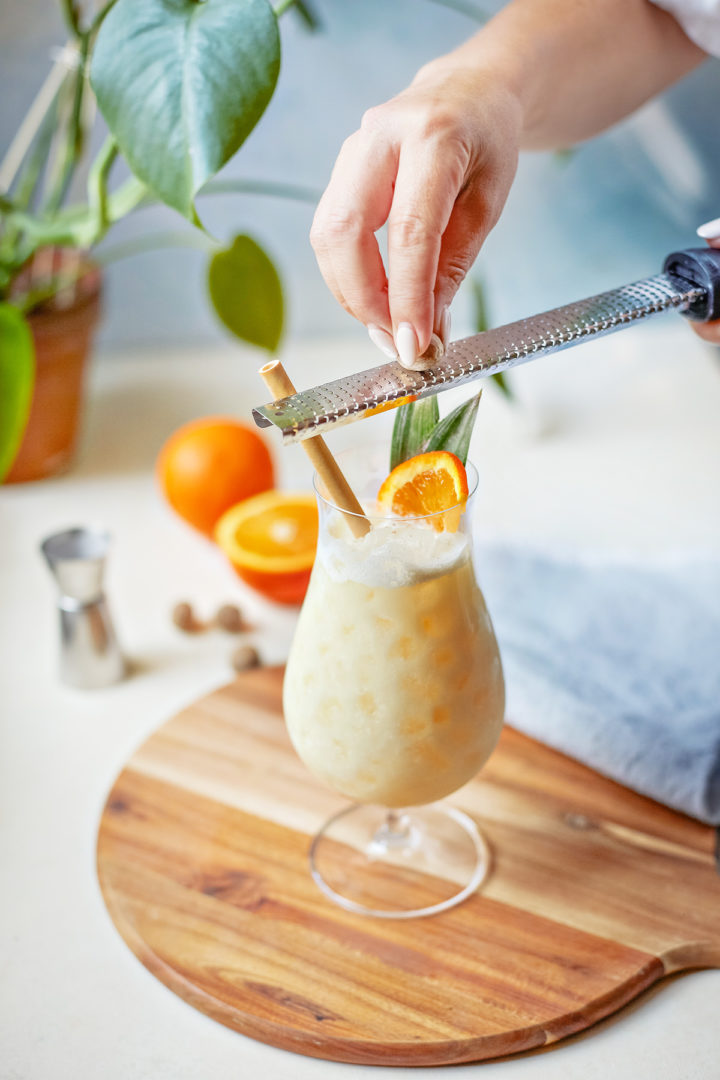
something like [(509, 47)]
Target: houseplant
[(180, 84)]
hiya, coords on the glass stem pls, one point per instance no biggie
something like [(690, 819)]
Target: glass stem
[(396, 823), (394, 834)]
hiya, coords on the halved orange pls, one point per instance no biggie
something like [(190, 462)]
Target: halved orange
[(427, 484), (270, 540)]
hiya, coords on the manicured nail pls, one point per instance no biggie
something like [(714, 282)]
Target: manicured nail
[(445, 323), (710, 230), (407, 345), (383, 340)]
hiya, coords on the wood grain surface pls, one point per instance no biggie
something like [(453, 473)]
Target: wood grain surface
[(595, 893)]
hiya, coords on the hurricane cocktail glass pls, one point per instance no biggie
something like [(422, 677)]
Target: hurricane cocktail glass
[(394, 696)]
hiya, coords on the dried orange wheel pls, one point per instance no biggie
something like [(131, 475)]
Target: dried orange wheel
[(427, 484), (270, 540)]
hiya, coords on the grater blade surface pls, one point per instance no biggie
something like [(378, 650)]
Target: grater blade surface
[(353, 397)]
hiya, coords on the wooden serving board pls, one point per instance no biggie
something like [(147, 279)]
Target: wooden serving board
[(595, 893)]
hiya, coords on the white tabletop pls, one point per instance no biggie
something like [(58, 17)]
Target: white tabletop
[(614, 446)]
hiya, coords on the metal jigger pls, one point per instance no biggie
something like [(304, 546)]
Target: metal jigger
[(90, 656)]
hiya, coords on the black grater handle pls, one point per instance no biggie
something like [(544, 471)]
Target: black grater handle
[(699, 267)]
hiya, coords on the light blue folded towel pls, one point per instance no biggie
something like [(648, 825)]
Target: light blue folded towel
[(617, 665)]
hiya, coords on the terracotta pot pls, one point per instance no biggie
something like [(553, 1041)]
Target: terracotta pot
[(63, 338)]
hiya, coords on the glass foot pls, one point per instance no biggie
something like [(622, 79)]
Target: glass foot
[(399, 864)]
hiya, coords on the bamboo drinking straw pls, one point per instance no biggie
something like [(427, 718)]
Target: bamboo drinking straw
[(339, 491)]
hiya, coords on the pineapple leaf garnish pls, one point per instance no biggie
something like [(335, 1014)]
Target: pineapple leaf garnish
[(414, 423)]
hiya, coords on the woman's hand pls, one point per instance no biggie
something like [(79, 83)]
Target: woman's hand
[(436, 164)]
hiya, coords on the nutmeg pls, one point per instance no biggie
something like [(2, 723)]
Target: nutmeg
[(229, 617), (244, 658), (184, 618)]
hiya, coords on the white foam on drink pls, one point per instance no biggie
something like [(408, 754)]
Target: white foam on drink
[(393, 553)]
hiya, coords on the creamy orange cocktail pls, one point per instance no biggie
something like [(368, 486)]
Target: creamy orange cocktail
[(394, 689)]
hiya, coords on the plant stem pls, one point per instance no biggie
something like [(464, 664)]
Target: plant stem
[(31, 170), (72, 17), (27, 180), (31, 124), (283, 6), (81, 227), (98, 199), (75, 135), (97, 21), (131, 195), (151, 242), (30, 300), (275, 189)]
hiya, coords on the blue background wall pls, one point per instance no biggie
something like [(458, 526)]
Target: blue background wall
[(607, 215)]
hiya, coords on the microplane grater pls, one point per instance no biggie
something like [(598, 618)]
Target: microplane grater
[(690, 283)]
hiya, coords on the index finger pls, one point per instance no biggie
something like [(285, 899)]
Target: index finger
[(425, 192), (355, 204)]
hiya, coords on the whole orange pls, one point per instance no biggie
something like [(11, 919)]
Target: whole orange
[(211, 464)]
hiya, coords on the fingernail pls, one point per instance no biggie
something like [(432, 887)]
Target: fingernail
[(710, 230), (383, 340), (445, 323), (407, 345)]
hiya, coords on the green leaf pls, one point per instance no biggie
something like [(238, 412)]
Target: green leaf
[(500, 380), (481, 325), (454, 431), (17, 374), (564, 155), (479, 306), (413, 425), (307, 15), (181, 85), (246, 292)]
